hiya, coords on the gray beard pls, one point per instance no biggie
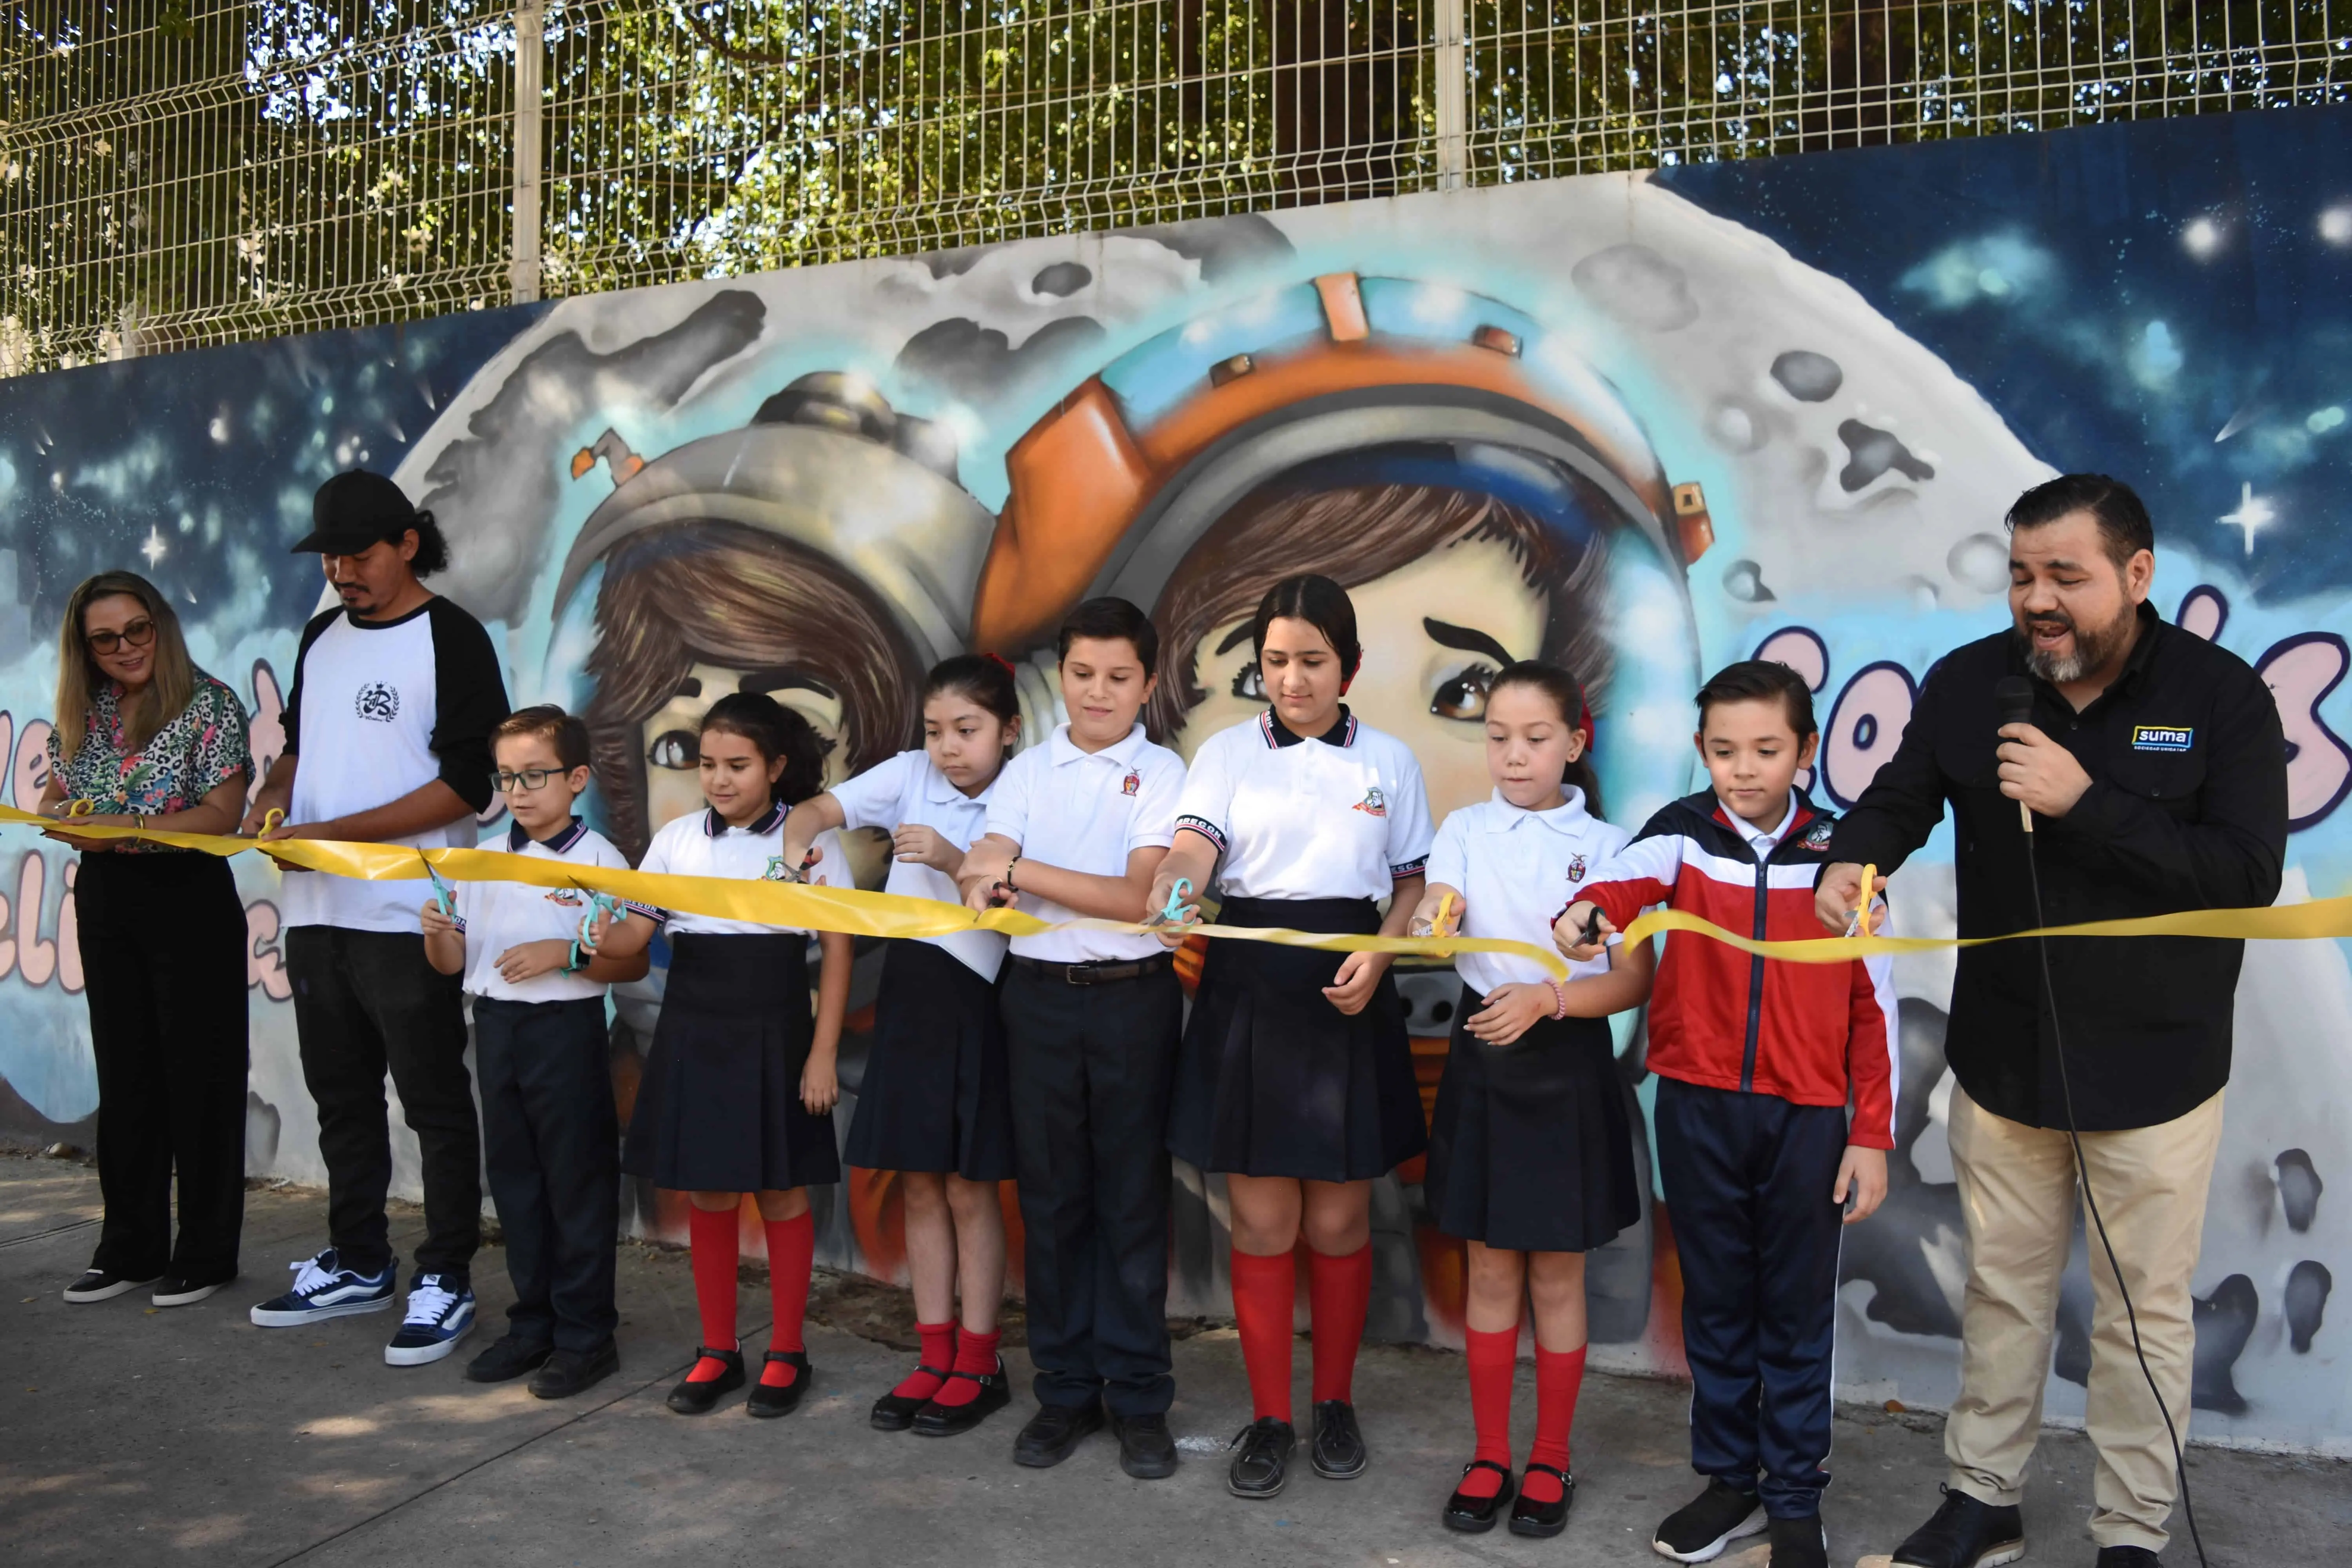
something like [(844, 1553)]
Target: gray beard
[(2092, 650)]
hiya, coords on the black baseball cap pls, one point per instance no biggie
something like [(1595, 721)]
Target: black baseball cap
[(354, 511)]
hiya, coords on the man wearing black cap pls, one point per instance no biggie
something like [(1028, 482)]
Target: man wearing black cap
[(387, 742)]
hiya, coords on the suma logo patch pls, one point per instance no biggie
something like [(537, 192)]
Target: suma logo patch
[(2161, 738), (1374, 802), (379, 701)]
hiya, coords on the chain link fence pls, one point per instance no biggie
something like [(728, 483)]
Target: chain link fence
[(182, 171)]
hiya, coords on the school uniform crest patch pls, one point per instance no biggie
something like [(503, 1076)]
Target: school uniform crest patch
[(1575, 868), (1133, 782), (778, 871), (566, 897), (1374, 802), (1817, 836)]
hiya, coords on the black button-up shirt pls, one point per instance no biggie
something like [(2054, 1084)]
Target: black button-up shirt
[(2187, 810)]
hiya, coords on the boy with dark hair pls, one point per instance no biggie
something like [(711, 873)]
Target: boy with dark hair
[(1758, 1063), (1077, 825)]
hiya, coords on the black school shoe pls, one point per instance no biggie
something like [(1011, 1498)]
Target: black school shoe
[(1262, 1460), (937, 1420), (508, 1359), (1543, 1520), (1338, 1452), (1799, 1543), (1054, 1432), (896, 1412), (1146, 1451), (101, 1285), (1702, 1528), (1965, 1533), (566, 1373), (767, 1401), (1475, 1515), (691, 1398), (2126, 1557)]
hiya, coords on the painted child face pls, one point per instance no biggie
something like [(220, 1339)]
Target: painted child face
[(1529, 744), (1753, 754), (544, 811), (737, 780), (1103, 687), (673, 786), (965, 740)]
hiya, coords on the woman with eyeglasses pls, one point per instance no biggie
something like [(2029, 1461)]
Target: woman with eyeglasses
[(144, 738)]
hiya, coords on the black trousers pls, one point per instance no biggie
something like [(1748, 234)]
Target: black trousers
[(164, 962), (1091, 1069), (553, 1142), (1749, 1178), (366, 1002)]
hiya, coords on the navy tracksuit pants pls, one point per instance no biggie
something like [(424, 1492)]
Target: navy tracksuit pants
[(1748, 1183)]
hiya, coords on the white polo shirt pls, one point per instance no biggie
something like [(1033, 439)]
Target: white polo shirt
[(909, 789), (1515, 871), (703, 845), (500, 915), (1085, 812), (1341, 816)]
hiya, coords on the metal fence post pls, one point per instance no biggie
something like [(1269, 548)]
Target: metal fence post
[(1452, 69), (529, 81)]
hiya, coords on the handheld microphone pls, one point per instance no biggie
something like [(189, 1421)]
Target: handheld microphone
[(2015, 695)]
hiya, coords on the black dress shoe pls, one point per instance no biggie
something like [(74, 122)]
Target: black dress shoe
[(1543, 1520), (768, 1400), (691, 1398), (566, 1373), (1146, 1451), (1262, 1458), (1338, 1452), (104, 1285), (1052, 1432), (1800, 1543), (1475, 1515), (1965, 1533), (2126, 1557), (896, 1412), (507, 1360), (937, 1420)]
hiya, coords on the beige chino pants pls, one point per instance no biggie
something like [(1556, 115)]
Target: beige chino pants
[(2016, 1190)]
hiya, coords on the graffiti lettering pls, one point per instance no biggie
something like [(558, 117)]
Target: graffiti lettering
[(1803, 650), (1863, 730), (265, 965), (36, 959), (2301, 671), (30, 774), (69, 933)]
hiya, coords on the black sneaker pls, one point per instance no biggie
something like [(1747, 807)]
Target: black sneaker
[(1799, 1543), (99, 1285), (185, 1290), (566, 1373), (1052, 1432), (1338, 1452), (1146, 1451), (1965, 1533), (2126, 1557), (507, 1360), (1262, 1458), (767, 1400), (1702, 1528)]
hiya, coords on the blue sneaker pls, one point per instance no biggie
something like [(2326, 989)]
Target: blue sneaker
[(325, 1289), (438, 1317)]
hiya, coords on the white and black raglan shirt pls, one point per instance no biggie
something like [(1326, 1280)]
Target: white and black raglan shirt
[(380, 708)]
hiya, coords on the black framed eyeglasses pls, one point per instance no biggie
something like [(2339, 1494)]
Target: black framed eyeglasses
[(505, 783), (138, 634)]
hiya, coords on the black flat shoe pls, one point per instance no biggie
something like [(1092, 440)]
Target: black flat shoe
[(1338, 1452), (1052, 1432), (1543, 1520), (1262, 1458), (1475, 1515), (1146, 1451), (768, 1401), (567, 1372), (896, 1412), (507, 1360), (691, 1398), (937, 1420)]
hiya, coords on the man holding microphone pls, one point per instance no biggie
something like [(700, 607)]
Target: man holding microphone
[(2149, 767)]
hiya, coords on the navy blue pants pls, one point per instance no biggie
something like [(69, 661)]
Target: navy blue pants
[(1747, 1180)]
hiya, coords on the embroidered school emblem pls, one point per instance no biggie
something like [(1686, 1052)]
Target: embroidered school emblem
[(1374, 803), (564, 896), (379, 701), (2161, 738), (1818, 836), (1133, 782), (777, 871), (1575, 868)]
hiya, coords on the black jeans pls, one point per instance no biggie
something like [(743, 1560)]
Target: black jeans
[(554, 1138), (366, 1001), (1092, 1067), (163, 966)]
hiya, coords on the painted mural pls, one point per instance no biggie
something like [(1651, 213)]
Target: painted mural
[(1638, 425)]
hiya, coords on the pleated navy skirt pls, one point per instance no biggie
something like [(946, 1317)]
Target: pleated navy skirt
[(936, 1095), (719, 1107), (1531, 1149), (1272, 1079)]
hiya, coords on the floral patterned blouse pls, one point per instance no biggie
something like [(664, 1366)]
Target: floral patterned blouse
[(184, 761)]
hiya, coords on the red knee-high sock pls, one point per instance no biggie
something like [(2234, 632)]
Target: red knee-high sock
[(791, 1253), (717, 1248), (1493, 1357), (1559, 1375), (1265, 1293), (1339, 1289), (975, 1353), (938, 1350)]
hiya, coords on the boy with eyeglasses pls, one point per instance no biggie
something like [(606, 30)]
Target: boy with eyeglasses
[(549, 1132)]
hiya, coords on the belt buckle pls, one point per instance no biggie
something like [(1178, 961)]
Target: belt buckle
[(1078, 974)]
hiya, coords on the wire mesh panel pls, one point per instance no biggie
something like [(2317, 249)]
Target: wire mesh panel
[(178, 172)]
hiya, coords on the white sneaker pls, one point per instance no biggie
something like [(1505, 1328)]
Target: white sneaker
[(437, 1319)]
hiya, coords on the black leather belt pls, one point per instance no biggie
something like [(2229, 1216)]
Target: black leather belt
[(1098, 973)]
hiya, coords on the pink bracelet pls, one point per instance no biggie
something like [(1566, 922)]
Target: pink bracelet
[(1559, 998)]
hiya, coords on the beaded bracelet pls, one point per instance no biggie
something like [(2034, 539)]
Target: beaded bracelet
[(1559, 998)]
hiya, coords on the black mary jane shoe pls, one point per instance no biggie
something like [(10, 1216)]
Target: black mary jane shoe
[(1337, 1451), (1543, 1520), (1475, 1515), (937, 1420), (691, 1398), (767, 1400), (896, 1412), (1261, 1459)]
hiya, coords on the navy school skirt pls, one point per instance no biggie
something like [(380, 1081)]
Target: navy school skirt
[(719, 1109), (936, 1095), (1531, 1149), (1272, 1079)]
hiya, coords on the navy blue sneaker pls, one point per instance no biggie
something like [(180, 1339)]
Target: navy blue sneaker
[(440, 1313), (325, 1289)]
